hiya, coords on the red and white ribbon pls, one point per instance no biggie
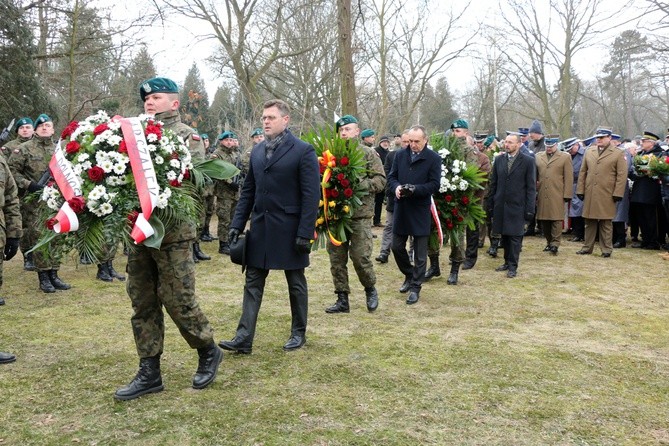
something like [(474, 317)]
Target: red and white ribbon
[(146, 180), (437, 222), (70, 187)]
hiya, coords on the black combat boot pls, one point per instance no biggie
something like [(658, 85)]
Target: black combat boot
[(115, 274), (210, 358), (28, 263), (494, 246), (453, 277), (372, 299), (147, 380), (223, 247), (433, 270), (56, 282), (341, 306), (198, 252), (44, 282), (103, 273)]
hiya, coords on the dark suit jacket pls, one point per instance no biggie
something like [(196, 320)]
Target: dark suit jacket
[(281, 197), (412, 214), (387, 165), (512, 195)]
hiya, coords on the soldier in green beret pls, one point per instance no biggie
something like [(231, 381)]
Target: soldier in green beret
[(165, 277), (29, 162), (208, 196), (24, 132), (226, 191), (368, 137), (359, 242), (257, 136)]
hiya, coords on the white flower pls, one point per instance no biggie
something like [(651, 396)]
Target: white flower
[(82, 157), (114, 125), (86, 165), (106, 208), (52, 204), (444, 153), (171, 175), (152, 137), (78, 168), (114, 140), (455, 178), (158, 160), (464, 185), (151, 147), (119, 169), (107, 166), (175, 163), (167, 192), (97, 193)]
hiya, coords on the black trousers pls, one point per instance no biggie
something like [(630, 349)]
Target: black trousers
[(253, 292), (511, 245), (578, 227), (472, 250), (378, 207), (647, 218), (415, 273)]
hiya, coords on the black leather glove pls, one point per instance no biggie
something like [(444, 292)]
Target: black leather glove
[(580, 197), (529, 216), (567, 200), (302, 245), (11, 248), (407, 190), (617, 199), (34, 187), (233, 235)]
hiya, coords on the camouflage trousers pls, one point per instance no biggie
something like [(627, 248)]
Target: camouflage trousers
[(457, 249), (359, 247), (226, 202), (32, 230), (165, 278)]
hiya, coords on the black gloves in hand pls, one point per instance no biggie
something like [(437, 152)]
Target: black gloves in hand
[(11, 248), (233, 235), (407, 190), (302, 245), (34, 187), (580, 197), (617, 199)]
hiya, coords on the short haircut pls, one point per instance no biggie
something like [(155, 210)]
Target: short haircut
[(517, 136), (419, 128), (283, 108)]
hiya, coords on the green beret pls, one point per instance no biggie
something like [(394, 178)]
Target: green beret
[(488, 141), (204, 136), (460, 124), (41, 119), (23, 121), (157, 85), (345, 120), (256, 132), (226, 135), (367, 133)]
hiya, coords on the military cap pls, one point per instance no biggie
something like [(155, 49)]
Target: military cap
[(256, 132), (488, 141), (23, 121), (384, 138), (41, 119), (523, 131), (157, 85), (650, 136), (567, 143), (226, 135), (367, 133), (345, 120), (460, 124), (204, 136), (551, 140), (602, 132), (480, 137)]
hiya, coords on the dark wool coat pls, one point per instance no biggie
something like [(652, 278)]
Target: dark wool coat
[(412, 214), (281, 197), (512, 195), (645, 190)]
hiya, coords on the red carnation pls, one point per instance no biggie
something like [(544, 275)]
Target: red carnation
[(460, 218), (348, 192), (345, 182), (341, 176), (465, 200), (454, 211), (334, 193), (322, 169), (122, 147), (174, 156), (343, 161), (96, 174), (77, 204), (175, 183), (186, 175), (100, 128), (666, 159), (72, 147), (448, 198), (132, 217), (155, 129), (71, 127), (50, 223), (449, 225)]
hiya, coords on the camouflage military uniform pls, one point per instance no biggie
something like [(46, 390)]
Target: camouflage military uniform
[(10, 214), (166, 277), (28, 162), (360, 242), (7, 149), (226, 191)]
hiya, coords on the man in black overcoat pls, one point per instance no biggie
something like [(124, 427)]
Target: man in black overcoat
[(413, 178), (511, 200), (280, 194)]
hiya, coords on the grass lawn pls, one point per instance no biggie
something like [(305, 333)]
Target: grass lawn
[(575, 350)]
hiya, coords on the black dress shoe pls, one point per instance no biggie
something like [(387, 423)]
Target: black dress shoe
[(606, 254), (637, 245), (236, 345), (547, 248), (413, 298), (382, 258), (6, 358), (2, 301), (583, 252), (207, 368), (511, 274), (294, 343), (504, 267), (468, 265), (372, 299), (405, 286), (618, 245), (554, 250)]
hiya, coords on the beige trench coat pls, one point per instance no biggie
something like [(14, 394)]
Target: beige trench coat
[(601, 178), (555, 182)]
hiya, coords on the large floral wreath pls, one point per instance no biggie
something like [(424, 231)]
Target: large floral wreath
[(121, 180), (456, 203), (341, 165)]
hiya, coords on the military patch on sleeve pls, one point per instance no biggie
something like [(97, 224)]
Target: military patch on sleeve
[(196, 137)]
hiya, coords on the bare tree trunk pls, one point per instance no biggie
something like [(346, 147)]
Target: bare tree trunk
[(349, 103)]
